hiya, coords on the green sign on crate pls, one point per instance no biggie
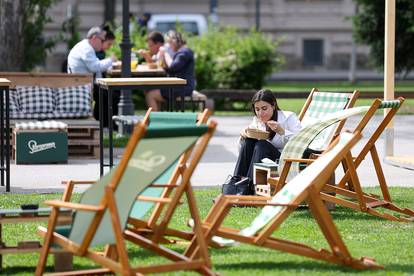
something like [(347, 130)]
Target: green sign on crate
[(41, 147)]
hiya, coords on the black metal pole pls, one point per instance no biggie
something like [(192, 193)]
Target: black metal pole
[(257, 15), (110, 11), (125, 106)]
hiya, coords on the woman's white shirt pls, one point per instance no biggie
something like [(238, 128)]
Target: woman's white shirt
[(287, 120)]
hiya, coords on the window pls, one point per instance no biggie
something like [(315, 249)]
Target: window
[(313, 52)]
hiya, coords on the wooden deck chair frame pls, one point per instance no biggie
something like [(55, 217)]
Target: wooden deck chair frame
[(156, 227), (315, 178), (348, 191), (115, 257)]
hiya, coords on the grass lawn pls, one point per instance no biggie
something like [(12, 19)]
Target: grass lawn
[(390, 243), (296, 105), (363, 86)]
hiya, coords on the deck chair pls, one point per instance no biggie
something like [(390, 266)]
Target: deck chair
[(317, 106), (348, 191), (304, 187), (293, 152), (101, 215), (146, 212)]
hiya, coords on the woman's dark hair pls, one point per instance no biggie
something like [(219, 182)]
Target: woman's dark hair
[(109, 34), (267, 96)]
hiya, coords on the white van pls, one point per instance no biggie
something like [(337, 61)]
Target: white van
[(195, 24)]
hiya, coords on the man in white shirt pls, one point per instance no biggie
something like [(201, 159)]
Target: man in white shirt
[(82, 58)]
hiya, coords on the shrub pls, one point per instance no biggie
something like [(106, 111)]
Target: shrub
[(228, 59)]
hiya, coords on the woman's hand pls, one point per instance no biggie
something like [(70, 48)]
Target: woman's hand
[(275, 126), (243, 134)]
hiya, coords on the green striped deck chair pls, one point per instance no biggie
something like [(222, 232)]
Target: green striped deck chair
[(349, 193), (146, 214), (141, 208), (304, 187), (318, 105), (100, 218)]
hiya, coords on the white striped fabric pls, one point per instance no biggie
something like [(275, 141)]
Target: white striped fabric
[(41, 125)]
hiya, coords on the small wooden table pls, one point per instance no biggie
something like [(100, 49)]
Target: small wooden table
[(111, 84), (63, 259), (142, 70), (5, 133)]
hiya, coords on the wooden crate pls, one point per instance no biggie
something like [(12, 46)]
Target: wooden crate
[(83, 138)]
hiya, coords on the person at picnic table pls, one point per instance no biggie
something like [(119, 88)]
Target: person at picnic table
[(107, 44), (83, 59), (155, 40), (280, 124), (180, 65)]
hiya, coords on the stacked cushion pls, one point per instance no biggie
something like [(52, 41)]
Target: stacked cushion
[(39, 102)]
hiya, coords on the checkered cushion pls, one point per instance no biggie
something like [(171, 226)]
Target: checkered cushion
[(74, 100), (300, 142), (324, 103), (35, 99)]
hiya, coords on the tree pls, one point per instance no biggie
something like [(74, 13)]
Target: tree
[(369, 26), (11, 35), (21, 33)]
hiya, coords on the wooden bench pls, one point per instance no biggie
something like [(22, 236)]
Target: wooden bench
[(83, 133)]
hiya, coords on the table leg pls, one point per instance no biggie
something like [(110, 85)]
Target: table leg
[(110, 128), (7, 141), (1, 245), (170, 100), (63, 261), (2, 168), (182, 103), (101, 155)]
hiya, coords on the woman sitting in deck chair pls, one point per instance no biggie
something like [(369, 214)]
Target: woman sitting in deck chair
[(265, 137)]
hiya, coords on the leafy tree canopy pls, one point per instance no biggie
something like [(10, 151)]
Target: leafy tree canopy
[(369, 26)]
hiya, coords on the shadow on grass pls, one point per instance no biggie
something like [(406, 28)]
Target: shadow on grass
[(304, 265), (342, 213)]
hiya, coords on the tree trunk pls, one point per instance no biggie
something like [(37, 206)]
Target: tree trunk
[(11, 35)]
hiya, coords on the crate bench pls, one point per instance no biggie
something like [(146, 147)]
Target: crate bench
[(82, 129)]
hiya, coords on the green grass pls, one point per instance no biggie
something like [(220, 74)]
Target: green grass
[(296, 105), (363, 86), (390, 243)]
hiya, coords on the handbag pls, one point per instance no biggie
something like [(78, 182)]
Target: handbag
[(236, 185)]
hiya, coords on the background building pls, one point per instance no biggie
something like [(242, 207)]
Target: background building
[(316, 35)]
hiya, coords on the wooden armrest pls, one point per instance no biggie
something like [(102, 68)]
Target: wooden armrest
[(154, 199), (300, 160), (71, 205), (86, 182), (249, 198), (272, 180), (256, 203), (163, 186)]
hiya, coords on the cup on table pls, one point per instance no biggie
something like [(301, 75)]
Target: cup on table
[(134, 64)]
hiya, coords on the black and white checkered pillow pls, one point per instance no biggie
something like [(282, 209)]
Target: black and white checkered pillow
[(35, 99), (73, 99)]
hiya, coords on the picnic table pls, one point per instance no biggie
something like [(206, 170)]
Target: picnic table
[(63, 260), (111, 84), (142, 70)]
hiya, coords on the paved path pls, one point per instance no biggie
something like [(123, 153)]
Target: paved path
[(217, 163)]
